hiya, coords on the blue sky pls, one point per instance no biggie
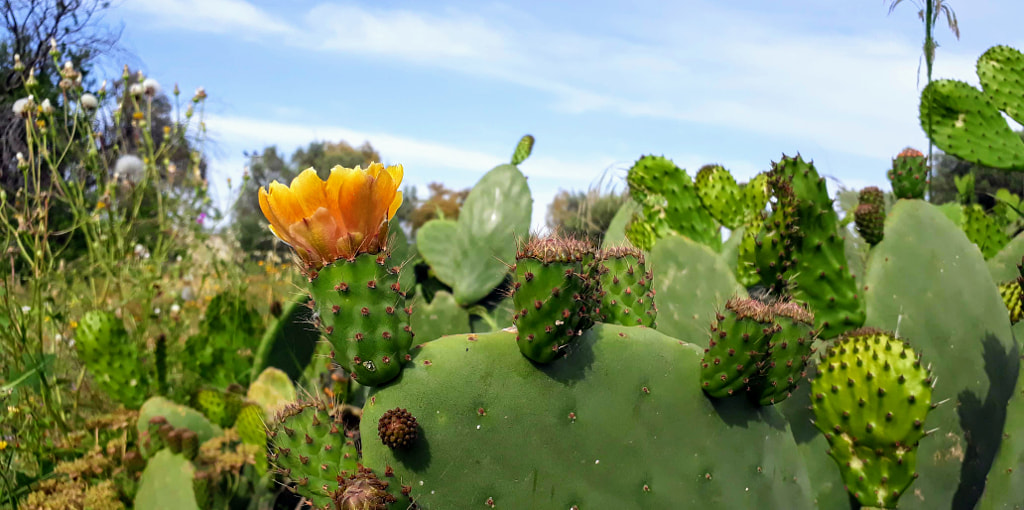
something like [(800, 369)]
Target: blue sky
[(447, 88)]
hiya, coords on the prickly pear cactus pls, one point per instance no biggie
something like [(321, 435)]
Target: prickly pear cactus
[(720, 195), (473, 253), (870, 220), (924, 269), (485, 444), (548, 295), (738, 341), (442, 316), (820, 273), (691, 284), (223, 352), (616, 234), (178, 416), (984, 230), (626, 288), (308, 450), (523, 149), (670, 204), (967, 123), (789, 349), (364, 314), (909, 174), (1011, 293), (1004, 486), (166, 484), (871, 396), (112, 358)]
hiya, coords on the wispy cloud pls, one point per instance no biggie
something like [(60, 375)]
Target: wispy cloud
[(218, 16)]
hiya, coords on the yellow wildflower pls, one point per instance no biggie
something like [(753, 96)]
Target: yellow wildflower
[(3, 445), (338, 218), (100, 205)]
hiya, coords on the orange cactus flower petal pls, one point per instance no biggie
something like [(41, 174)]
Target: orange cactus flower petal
[(340, 217)]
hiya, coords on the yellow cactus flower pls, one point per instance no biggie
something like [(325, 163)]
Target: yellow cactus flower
[(338, 218)]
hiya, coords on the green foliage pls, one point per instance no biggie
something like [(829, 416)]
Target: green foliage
[(473, 253), (628, 383), (223, 352), (365, 316), (585, 214)]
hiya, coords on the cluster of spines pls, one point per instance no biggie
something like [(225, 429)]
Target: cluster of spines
[(909, 174), (624, 287), (870, 215), (362, 309), (871, 395)]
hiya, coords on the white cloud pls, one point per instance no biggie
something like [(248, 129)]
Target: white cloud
[(218, 16)]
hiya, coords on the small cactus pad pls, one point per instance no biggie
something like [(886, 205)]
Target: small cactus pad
[(1011, 294), (871, 396), (872, 195), (397, 428), (870, 222), (308, 450), (720, 195), (626, 288), (549, 286), (523, 149), (984, 230), (112, 358), (363, 311), (909, 174), (965, 122), (739, 340), (670, 204), (788, 352)]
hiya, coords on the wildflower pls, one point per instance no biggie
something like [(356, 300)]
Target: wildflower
[(338, 218), (202, 216), (3, 445), (156, 311), (89, 101), (23, 107), (135, 90), (59, 337), (18, 66), (150, 87), (129, 167), (26, 309), (172, 168), (100, 205), (22, 162), (175, 309), (46, 107), (53, 47), (200, 95), (138, 116), (31, 81)]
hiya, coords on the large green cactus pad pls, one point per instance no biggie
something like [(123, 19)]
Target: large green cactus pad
[(619, 423), (112, 357), (472, 255), (1005, 486), (691, 283), (440, 317), (923, 272), (166, 484), (966, 123), (670, 204)]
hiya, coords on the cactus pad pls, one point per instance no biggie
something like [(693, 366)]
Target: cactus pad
[(308, 450), (720, 195), (739, 340), (112, 358), (909, 174), (364, 314), (871, 396), (670, 204), (789, 349), (626, 288), (1011, 293)]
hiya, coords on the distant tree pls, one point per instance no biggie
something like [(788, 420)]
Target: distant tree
[(986, 180), (325, 155), (442, 203), (584, 214)]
